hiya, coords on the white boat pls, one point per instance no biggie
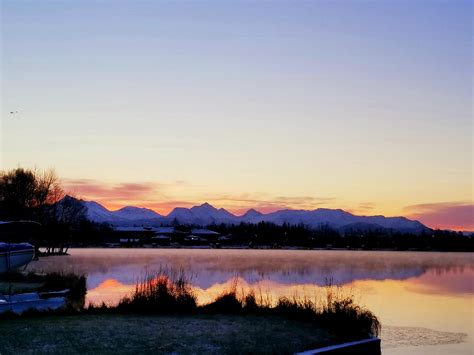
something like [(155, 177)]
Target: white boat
[(13, 253), (14, 256), (40, 301)]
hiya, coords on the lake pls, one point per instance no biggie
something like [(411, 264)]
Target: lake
[(423, 299)]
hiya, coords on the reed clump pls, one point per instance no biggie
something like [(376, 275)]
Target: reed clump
[(164, 292), (347, 316), (337, 310)]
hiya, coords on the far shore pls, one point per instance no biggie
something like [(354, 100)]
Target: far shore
[(243, 247)]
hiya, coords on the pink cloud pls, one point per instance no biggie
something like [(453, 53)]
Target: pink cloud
[(447, 215), (117, 195), (91, 189)]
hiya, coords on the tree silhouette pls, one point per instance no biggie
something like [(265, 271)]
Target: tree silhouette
[(25, 193)]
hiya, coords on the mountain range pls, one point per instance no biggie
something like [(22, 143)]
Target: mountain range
[(207, 214)]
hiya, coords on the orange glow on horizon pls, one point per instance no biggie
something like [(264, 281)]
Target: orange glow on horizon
[(456, 216)]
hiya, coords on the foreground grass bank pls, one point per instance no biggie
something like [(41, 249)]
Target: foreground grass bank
[(162, 315), (113, 333)]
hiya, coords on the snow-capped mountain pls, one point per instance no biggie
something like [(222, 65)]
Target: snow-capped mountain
[(202, 215), (98, 213), (251, 216), (133, 213), (206, 214), (337, 219)]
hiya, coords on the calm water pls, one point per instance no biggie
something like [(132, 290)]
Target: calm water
[(424, 300)]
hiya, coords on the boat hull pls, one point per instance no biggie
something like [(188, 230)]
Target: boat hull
[(27, 301), (14, 256)]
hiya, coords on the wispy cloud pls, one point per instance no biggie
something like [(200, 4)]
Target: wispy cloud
[(361, 208), (445, 215), (92, 189)]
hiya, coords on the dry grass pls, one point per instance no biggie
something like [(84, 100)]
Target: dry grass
[(165, 292)]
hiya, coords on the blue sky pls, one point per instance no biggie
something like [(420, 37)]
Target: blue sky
[(353, 102)]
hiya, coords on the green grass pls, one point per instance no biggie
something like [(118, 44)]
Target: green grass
[(113, 333)]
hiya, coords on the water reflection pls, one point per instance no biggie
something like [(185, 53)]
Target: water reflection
[(209, 267)]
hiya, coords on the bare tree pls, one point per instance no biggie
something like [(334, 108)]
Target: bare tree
[(25, 192), (49, 190)]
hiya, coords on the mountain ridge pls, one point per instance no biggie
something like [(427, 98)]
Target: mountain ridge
[(206, 214)]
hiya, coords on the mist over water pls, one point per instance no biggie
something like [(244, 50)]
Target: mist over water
[(429, 293)]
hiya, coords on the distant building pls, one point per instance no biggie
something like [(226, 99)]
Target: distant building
[(204, 232), (164, 236), (134, 235)]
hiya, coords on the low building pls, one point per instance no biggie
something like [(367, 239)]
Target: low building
[(133, 235), (206, 234)]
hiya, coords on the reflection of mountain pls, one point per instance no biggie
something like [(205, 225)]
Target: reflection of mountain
[(455, 281), (208, 267)]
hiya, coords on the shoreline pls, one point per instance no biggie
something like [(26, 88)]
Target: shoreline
[(244, 247)]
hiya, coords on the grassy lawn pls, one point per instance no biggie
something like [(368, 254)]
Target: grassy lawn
[(159, 334)]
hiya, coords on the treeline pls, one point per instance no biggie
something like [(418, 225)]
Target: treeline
[(34, 195), (265, 233)]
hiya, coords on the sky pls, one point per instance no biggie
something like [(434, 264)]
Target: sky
[(359, 105)]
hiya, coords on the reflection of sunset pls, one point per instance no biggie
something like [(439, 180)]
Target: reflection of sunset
[(401, 302), (109, 291), (265, 289)]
